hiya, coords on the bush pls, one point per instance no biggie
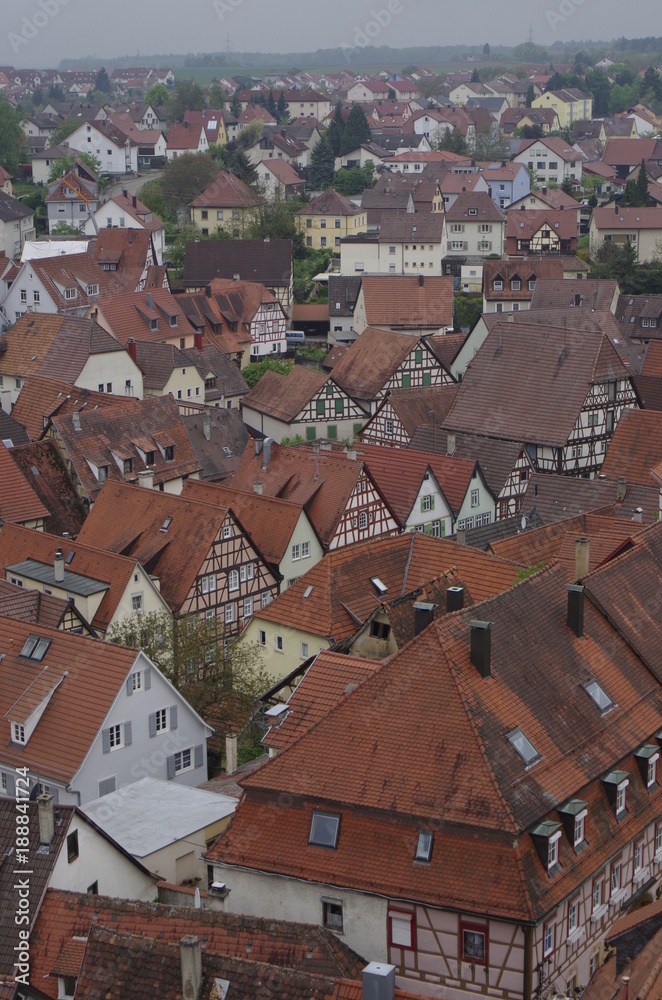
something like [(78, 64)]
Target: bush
[(253, 372)]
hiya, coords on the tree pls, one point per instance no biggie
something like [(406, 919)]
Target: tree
[(487, 144), (219, 679), (450, 140), (651, 87), (65, 163), (235, 107), (530, 96), (353, 180), (187, 176), (336, 129), (102, 82), (157, 95), (475, 76), (55, 92), (277, 220), (64, 229), (281, 108), (253, 372), (356, 131), (391, 94), (271, 103), (11, 137), (151, 195), (566, 185), (322, 165), (467, 311), (598, 86), (250, 133), (615, 260), (189, 97), (63, 131), (242, 167), (641, 186), (486, 49), (216, 95)]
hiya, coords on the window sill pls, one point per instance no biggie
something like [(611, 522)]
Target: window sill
[(575, 936), (599, 913), (641, 875), (617, 897)]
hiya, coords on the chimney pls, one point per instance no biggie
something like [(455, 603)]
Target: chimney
[(576, 609), (257, 488), (582, 557), (5, 400), (266, 453), (125, 193), (615, 208), (131, 346), (561, 208), (236, 277), (450, 444), (544, 189), (231, 753), (626, 987), (135, 201), (146, 479), (351, 454), (481, 647), (149, 300), (638, 515), (423, 616), (46, 819), (378, 982), (191, 956), (578, 299), (58, 566), (259, 442), (75, 419), (461, 536), (208, 291), (421, 280), (206, 424), (197, 341), (621, 489), (454, 599)]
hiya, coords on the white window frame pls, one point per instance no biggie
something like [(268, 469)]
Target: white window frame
[(305, 550), (553, 850), (229, 614), (18, 733), (184, 762), (162, 715), (233, 580), (208, 583), (247, 607), (580, 828), (116, 737)]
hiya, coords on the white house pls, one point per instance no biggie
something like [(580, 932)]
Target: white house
[(116, 152)]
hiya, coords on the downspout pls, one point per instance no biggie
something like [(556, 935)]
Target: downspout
[(528, 963)]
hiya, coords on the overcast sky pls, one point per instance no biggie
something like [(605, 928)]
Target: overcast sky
[(73, 28)]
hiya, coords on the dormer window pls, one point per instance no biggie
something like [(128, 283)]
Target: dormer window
[(170, 453), (92, 289), (71, 293), (497, 285), (127, 466), (515, 285), (616, 784), (324, 829), (18, 733), (547, 837), (573, 815), (149, 458), (102, 474), (153, 324), (424, 845)]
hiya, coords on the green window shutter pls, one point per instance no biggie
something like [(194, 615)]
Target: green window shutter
[(310, 434), (443, 529), (320, 407), (427, 529), (329, 390), (422, 507), (427, 378), (406, 381), (332, 431), (432, 501), (340, 407), (357, 428), (418, 357)]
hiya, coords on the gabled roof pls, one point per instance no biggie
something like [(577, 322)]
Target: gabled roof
[(211, 360), (523, 268), (401, 226), (636, 447), (34, 607), (554, 143), (628, 152), (528, 383), (414, 303), (128, 520), (496, 458), (330, 202), (54, 346), (523, 224), (11, 431), (268, 521), (137, 211), (133, 315), (74, 271), (368, 364), (343, 593), (474, 206), (157, 362), (12, 209), (559, 293), (283, 397), (124, 252), (41, 398), (90, 673), (282, 171), (112, 432), (265, 261), (227, 191), (185, 136), (415, 407), (627, 218), (18, 501)]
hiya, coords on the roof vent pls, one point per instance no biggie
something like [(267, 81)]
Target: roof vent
[(481, 647), (58, 566)]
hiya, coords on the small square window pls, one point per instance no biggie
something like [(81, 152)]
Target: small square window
[(324, 829), (332, 915), (474, 944)]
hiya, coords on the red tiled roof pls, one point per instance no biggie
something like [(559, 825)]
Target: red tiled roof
[(627, 217), (185, 136), (18, 501), (137, 211), (42, 398), (636, 447), (73, 271), (523, 224), (227, 191), (283, 397), (408, 302)]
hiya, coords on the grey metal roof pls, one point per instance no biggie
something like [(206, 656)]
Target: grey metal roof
[(85, 586)]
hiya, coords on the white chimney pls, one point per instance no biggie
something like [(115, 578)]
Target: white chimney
[(582, 557), (75, 419), (378, 981), (146, 479), (191, 957), (206, 424), (638, 515), (450, 444), (58, 566), (46, 819), (257, 488), (231, 753)]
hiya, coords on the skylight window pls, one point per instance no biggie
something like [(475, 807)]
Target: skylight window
[(166, 524), (324, 829), (35, 648), (424, 845), (308, 591), (524, 747), (599, 696), (380, 587)]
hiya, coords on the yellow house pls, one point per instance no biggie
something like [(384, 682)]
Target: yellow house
[(570, 105), (328, 218), (225, 204), (166, 370)]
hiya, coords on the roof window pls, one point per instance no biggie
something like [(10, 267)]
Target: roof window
[(599, 696), (380, 587), (166, 524), (524, 747), (35, 648), (424, 845), (324, 829)]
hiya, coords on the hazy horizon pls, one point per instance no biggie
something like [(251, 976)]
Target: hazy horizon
[(41, 33)]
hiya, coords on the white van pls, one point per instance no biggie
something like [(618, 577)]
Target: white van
[(295, 337)]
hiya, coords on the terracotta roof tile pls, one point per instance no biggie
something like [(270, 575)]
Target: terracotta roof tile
[(18, 501), (284, 397), (402, 301), (269, 263), (227, 191), (73, 271), (635, 448), (559, 293), (41, 398), (523, 224), (130, 316), (42, 466)]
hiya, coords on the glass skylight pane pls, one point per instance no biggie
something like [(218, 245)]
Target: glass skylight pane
[(524, 746), (324, 829), (424, 845), (599, 696)]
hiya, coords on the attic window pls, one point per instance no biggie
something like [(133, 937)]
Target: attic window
[(307, 592), (227, 452), (424, 845), (599, 696), (35, 648), (324, 829), (472, 211), (380, 587), (524, 747), (18, 733), (166, 524), (70, 293), (153, 324)]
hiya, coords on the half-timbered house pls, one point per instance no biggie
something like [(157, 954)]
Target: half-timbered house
[(508, 285), (492, 854), (539, 232), (200, 555), (381, 360), (559, 393), (305, 403), (337, 491), (402, 411)]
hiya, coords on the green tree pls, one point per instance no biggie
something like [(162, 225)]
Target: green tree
[(11, 137), (336, 129), (151, 195), (65, 163), (55, 92), (253, 372), (616, 260), (322, 165), (452, 141), (651, 86), (598, 86), (64, 130), (242, 167), (353, 180), (467, 310), (102, 82), (475, 76), (356, 131), (271, 103), (157, 95), (187, 176), (281, 108), (189, 97), (218, 678), (566, 185), (64, 229), (277, 220), (486, 49), (641, 188), (235, 107), (487, 144), (530, 96), (391, 94), (216, 95)]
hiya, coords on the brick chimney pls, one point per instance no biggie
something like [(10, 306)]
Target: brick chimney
[(132, 349), (197, 340)]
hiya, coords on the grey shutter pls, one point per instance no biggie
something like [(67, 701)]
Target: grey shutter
[(129, 685), (170, 762), (198, 755), (55, 794), (148, 678), (11, 785), (173, 716), (107, 785), (152, 724), (127, 734), (105, 737)]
